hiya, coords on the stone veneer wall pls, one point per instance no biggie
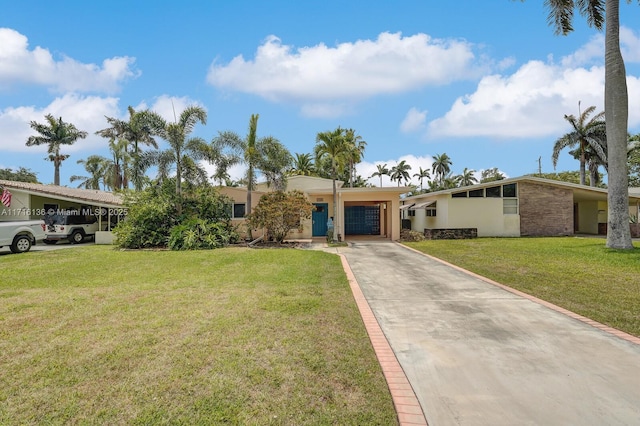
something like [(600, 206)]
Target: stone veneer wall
[(451, 234), (545, 210)]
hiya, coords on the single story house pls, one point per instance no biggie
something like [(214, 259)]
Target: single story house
[(515, 207), (360, 211), (31, 201)]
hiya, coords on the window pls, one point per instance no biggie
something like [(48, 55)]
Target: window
[(459, 194), (239, 210), (431, 210), (493, 192), (476, 193), (509, 190), (412, 213), (510, 206)]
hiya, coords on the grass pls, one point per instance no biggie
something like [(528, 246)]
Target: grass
[(92, 335), (579, 274)]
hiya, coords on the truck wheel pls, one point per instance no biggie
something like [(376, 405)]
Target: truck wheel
[(49, 241), (21, 244), (77, 237)]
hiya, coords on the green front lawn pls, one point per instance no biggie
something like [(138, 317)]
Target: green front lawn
[(93, 335), (579, 274)]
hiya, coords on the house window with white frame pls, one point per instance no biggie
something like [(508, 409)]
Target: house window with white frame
[(430, 211), (510, 206)]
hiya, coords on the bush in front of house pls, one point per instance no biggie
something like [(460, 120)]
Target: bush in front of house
[(199, 219), (201, 234), (279, 212)]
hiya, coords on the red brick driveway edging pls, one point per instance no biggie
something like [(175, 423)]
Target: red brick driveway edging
[(404, 398)]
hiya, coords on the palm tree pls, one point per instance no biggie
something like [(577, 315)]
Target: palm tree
[(264, 154), (382, 170), (96, 166), (331, 144), (616, 106), (182, 150), (400, 172), (421, 175), (274, 161), (467, 177), (55, 133), (303, 165), (141, 128), (587, 133), (441, 167), (356, 146)]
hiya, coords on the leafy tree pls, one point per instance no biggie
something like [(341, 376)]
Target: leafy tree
[(421, 175), (55, 133), (565, 176), (588, 136), (201, 216), (616, 105), (331, 145), (279, 212), (491, 175), (467, 177), (382, 170), (96, 166), (441, 167), (400, 172), (20, 175)]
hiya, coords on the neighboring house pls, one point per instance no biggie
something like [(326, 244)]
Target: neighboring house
[(515, 207), (361, 211), (30, 201)]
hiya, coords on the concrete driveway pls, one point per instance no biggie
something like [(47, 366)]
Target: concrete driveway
[(476, 354)]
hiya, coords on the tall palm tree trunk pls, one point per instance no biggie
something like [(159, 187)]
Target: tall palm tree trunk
[(616, 107), (583, 166), (56, 169)]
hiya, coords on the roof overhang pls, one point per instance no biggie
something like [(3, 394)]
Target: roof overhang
[(423, 205), (406, 206)]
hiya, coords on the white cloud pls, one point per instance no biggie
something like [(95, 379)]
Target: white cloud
[(347, 72), (529, 103), (18, 64), (532, 101), (86, 113), (414, 121), (630, 45)]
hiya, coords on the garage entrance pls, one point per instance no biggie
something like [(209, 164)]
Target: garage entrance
[(362, 220)]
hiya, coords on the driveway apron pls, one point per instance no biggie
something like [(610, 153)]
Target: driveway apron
[(476, 354)]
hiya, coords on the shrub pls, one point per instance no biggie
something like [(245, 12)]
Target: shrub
[(409, 235), (279, 212), (200, 234), (153, 220), (148, 222)]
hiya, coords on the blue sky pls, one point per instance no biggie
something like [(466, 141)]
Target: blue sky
[(487, 81)]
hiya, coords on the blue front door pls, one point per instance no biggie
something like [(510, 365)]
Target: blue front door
[(319, 217)]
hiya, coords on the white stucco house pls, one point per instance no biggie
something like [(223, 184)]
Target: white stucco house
[(515, 207)]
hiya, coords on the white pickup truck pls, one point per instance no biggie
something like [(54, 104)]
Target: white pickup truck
[(21, 235)]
